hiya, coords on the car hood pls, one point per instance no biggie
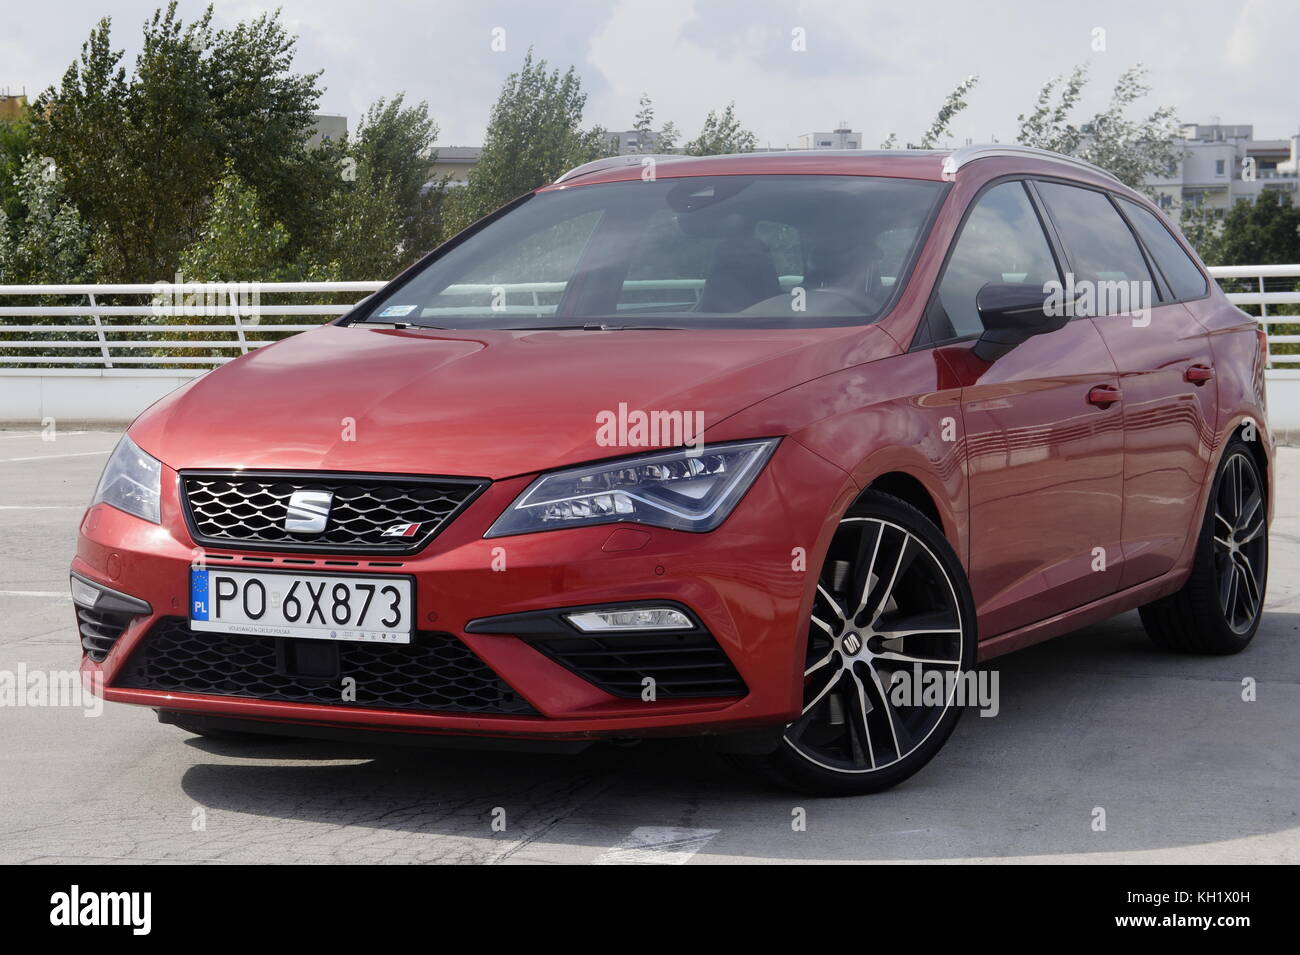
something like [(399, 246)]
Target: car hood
[(483, 403)]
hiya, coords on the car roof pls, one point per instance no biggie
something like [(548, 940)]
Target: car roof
[(932, 164)]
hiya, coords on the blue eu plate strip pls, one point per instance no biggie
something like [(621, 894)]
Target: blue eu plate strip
[(198, 595)]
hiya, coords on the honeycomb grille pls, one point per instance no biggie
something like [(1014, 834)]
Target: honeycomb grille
[(682, 666), (248, 509), (434, 672)]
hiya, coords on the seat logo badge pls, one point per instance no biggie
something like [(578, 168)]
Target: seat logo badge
[(402, 530), (852, 643), (309, 511)]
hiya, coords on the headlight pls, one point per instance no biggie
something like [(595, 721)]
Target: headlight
[(131, 482), (674, 489)]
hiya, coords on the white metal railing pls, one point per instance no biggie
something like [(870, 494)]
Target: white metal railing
[(240, 321), (1284, 275), (230, 308)]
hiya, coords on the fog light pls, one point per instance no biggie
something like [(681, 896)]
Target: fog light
[(93, 596), (636, 618), (83, 595)]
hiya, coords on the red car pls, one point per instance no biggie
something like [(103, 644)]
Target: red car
[(732, 446)]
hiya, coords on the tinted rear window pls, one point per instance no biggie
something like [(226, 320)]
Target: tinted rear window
[(1179, 270), (1100, 245)]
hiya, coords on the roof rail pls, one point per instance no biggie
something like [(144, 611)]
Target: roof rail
[(609, 162), (969, 154)]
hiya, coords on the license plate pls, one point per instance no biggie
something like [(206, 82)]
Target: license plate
[(308, 606)]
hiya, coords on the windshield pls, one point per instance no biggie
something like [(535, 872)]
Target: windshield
[(706, 252)]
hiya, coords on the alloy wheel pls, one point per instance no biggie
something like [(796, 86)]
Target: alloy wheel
[(1239, 542), (885, 606)]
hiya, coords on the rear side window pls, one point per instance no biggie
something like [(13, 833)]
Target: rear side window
[(1179, 270), (1101, 246), (1002, 241)]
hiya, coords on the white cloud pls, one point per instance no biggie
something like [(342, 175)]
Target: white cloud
[(881, 66)]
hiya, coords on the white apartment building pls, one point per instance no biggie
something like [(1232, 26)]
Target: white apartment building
[(842, 138), (1221, 164)]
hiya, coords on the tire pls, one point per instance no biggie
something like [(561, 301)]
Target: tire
[(889, 560), (1218, 609)]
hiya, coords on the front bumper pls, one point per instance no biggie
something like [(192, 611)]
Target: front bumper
[(750, 583)]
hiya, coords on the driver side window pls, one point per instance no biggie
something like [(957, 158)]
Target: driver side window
[(1002, 241)]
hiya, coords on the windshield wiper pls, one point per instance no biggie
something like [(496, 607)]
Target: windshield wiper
[(596, 327), (401, 325)]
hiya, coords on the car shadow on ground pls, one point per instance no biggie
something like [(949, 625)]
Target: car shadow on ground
[(1164, 746)]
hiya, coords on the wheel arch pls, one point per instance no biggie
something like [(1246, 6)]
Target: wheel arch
[(1259, 453), (1260, 450), (909, 488)]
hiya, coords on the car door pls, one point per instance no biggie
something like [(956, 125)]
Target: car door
[(1165, 365), (1042, 430)]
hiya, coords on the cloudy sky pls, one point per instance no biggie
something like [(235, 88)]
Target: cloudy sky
[(877, 66)]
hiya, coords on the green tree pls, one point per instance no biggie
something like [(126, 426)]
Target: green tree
[(1047, 126), (142, 152), (1200, 227), (49, 242), (534, 135), (237, 241), (1133, 150), (722, 134), (954, 104), (363, 240), (263, 113), (46, 244), (1263, 232), (394, 144), (15, 147), (649, 140)]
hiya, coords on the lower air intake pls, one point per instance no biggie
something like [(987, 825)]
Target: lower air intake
[(99, 630), (681, 665), (435, 672)]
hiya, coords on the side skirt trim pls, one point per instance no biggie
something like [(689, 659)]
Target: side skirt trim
[(1100, 609)]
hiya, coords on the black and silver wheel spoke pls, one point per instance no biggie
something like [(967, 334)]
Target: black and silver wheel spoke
[(1249, 586), (860, 721), (885, 611), (1239, 542), (893, 559), (897, 733)]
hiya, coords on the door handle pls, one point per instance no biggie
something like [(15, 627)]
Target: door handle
[(1103, 395), (1198, 374)]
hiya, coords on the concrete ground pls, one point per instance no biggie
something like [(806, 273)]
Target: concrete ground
[(1184, 769)]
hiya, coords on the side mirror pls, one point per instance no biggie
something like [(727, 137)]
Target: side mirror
[(1013, 312)]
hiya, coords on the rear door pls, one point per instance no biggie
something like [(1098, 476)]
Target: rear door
[(1043, 433), (1165, 364)]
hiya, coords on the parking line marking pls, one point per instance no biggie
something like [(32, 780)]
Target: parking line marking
[(657, 845), (38, 434), (35, 593), (38, 507), (51, 457)]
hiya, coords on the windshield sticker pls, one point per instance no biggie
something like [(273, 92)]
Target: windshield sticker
[(397, 311)]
